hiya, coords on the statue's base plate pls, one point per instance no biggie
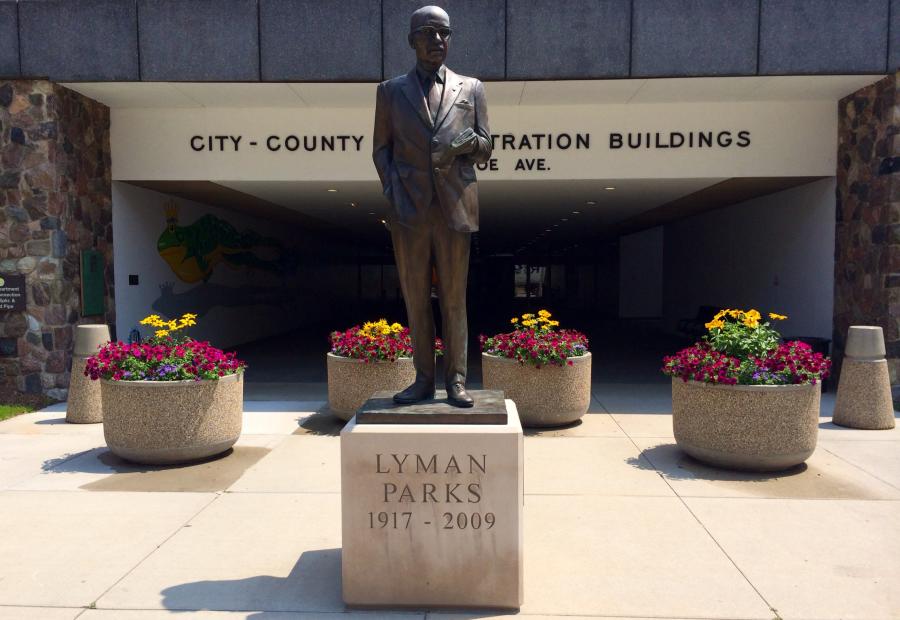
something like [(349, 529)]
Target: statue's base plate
[(489, 408)]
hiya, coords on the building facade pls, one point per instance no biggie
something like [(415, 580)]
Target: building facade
[(111, 108)]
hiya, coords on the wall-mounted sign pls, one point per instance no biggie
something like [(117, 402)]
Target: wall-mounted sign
[(93, 289), (562, 142), (527, 143), (12, 293)]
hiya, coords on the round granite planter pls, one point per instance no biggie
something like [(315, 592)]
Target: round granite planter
[(746, 427), (166, 422), (546, 396), (351, 381)]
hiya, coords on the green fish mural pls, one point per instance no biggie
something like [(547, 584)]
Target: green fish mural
[(193, 251)]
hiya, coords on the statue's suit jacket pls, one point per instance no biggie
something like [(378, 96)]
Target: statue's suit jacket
[(410, 151)]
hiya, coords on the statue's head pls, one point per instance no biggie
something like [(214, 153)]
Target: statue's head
[(429, 35)]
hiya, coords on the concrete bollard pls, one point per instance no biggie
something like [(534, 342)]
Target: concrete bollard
[(84, 406), (864, 390)]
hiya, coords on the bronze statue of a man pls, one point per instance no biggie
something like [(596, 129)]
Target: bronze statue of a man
[(431, 127)]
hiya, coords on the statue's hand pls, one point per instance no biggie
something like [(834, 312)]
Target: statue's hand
[(462, 144), (465, 142)]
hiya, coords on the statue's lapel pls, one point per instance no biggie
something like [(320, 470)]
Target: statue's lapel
[(413, 92), (452, 87)]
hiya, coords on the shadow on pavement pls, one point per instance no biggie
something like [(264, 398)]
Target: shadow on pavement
[(215, 473), (314, 584), (552, 431), (674, 464), (52, 421), (322, 422)]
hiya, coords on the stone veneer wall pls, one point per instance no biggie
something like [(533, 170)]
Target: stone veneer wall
[(867, 252), (55, 201)]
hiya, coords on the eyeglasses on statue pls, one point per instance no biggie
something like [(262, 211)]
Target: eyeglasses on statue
[(430, 31)]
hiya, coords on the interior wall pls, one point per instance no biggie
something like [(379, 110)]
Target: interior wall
[(255, 286), (641, 274), (774, 253)]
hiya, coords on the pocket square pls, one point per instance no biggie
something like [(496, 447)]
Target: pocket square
[(464, 103)]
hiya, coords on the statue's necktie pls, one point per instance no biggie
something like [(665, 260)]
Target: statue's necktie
[(434, 98)]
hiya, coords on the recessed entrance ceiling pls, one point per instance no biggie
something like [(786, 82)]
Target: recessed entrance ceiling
[(518, 216), (512, 213)]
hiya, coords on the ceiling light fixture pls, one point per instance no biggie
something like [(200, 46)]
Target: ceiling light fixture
[(352, 204), (591, 203), (330, 189), (576, 212), (565, 219), (610, 188), (371, 213)]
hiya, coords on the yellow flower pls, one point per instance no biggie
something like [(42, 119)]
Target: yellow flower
[(715, 324), (188, 315), (528, 323), (735, 314), (150, 319), (544, 314), (154, 320), (554, 323), (161, 332), (379, 328), (527, 316), (777, 317), (754, 315), (751, 322), (514, 320)]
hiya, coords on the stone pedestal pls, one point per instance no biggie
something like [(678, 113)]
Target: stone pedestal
[(864, 396), (85, 405), (864, 391), (432, 513)]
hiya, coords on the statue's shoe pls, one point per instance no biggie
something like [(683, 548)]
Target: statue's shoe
[(415, 393), (458, 397)]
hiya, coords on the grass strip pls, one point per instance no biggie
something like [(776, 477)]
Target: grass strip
[(9, 411)]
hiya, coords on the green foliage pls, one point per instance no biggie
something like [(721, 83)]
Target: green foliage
[(738, 340), (9, 411), (740, 334)]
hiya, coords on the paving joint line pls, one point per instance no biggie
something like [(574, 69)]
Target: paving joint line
[(852, 464), (73, 607), (691, 512), (285, 612), (771, 607), (155, 549), (600, 402), (424, 613)]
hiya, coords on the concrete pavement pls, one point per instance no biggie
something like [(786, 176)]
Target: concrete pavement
[(619, 523)]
